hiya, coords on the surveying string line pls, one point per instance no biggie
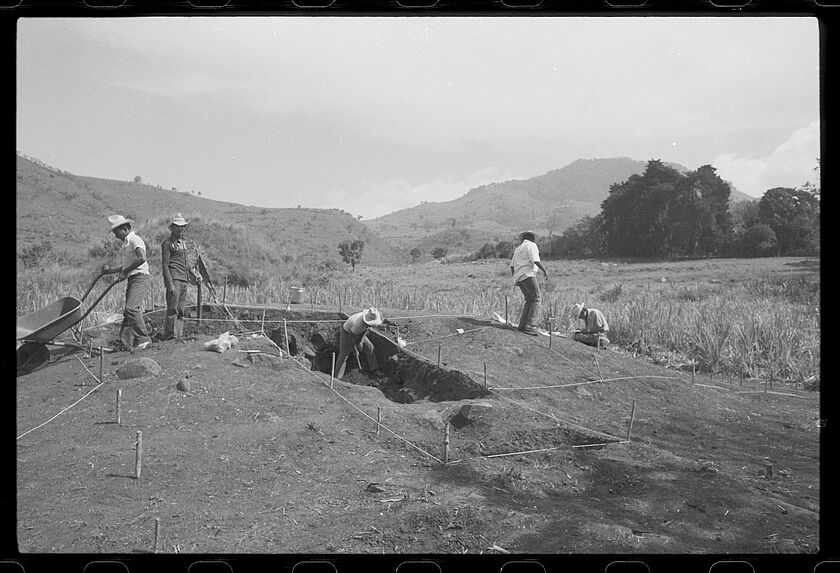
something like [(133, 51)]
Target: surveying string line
[(71, 405), (447, 335), (549, 416), (365, 414), (555, 418), (591, 382)]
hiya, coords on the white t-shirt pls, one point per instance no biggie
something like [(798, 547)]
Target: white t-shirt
[(132, 241), (524, 257)]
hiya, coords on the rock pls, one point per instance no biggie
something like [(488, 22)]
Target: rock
[(517, 350), (269, 360), (183, 385), (308, 352), (138, 368), (470, 413)]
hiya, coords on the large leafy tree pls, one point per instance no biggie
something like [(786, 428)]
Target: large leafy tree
[(583, 239), (664, 213), (794, 216)]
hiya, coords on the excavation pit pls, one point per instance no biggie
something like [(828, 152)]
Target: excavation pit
[(313, 337)]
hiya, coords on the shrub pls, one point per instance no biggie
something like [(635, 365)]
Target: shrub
[(612, 294), (33, 255)]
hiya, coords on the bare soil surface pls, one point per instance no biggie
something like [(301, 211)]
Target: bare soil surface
[(261, 455)]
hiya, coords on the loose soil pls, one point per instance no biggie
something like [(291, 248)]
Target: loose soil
[(262, 455)]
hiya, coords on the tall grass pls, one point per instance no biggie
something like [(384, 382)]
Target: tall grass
[(767, 327)]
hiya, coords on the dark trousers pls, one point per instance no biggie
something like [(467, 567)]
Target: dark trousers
[(176, 301), (347, 345), (133, 327), (531, 311)]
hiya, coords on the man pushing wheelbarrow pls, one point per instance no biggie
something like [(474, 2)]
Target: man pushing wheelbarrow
[(134, 269)]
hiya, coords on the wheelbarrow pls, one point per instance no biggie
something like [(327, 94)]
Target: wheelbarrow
[(37, 329)]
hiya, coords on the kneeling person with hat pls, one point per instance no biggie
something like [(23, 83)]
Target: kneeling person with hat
[(354, 339), (595, 327)]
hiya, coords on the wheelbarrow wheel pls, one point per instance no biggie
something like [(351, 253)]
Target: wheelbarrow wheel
[(31, 356)]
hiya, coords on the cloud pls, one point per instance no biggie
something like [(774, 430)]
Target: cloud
[(791, 164)]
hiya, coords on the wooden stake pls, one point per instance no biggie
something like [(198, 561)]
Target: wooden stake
[(439, 347), (286, 333), (199, 301), (332, 372), (446, 445), (119, 405), (506, 310), (378, 419), (632, 413), (101, 364), (485, 375), (157, 533), (550, 331), (138, 455), (262, 324), (693, 368), (90, 349), (224, 292)]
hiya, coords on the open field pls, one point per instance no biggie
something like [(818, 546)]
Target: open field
[(738, 317), (565, 449)]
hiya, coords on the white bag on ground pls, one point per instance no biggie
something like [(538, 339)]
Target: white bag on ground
[(225, 341)]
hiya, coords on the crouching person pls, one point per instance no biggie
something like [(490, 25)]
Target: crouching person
[(595, 327), (353, 340)]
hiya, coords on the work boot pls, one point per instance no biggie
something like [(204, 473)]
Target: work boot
[(530, 330)]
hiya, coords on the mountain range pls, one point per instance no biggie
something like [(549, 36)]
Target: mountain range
[(71, 210)]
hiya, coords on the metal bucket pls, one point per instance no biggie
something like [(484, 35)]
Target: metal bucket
[(296, 294)]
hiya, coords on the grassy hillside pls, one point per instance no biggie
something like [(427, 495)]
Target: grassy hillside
[(69, 212)]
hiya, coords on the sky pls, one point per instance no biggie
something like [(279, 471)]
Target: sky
[(376, 114)]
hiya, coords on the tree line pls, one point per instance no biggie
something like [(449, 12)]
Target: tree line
[(663, 213)]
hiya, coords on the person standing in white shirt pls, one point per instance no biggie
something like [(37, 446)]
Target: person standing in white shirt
[(135, 270), (524, 266)]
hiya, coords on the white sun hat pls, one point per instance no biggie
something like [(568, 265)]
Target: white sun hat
[(372, 317), (118, 221), (576, 311), (179, 220)]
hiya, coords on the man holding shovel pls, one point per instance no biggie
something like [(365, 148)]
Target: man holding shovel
[(173, 254), (135, 269), (354, 339)]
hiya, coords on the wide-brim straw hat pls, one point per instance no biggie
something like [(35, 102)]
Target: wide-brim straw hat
[(524, 234), (118, 221), (372, 317), (179, 220), (576, 311)]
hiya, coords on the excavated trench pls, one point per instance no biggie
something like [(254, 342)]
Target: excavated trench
[(314, 337)]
